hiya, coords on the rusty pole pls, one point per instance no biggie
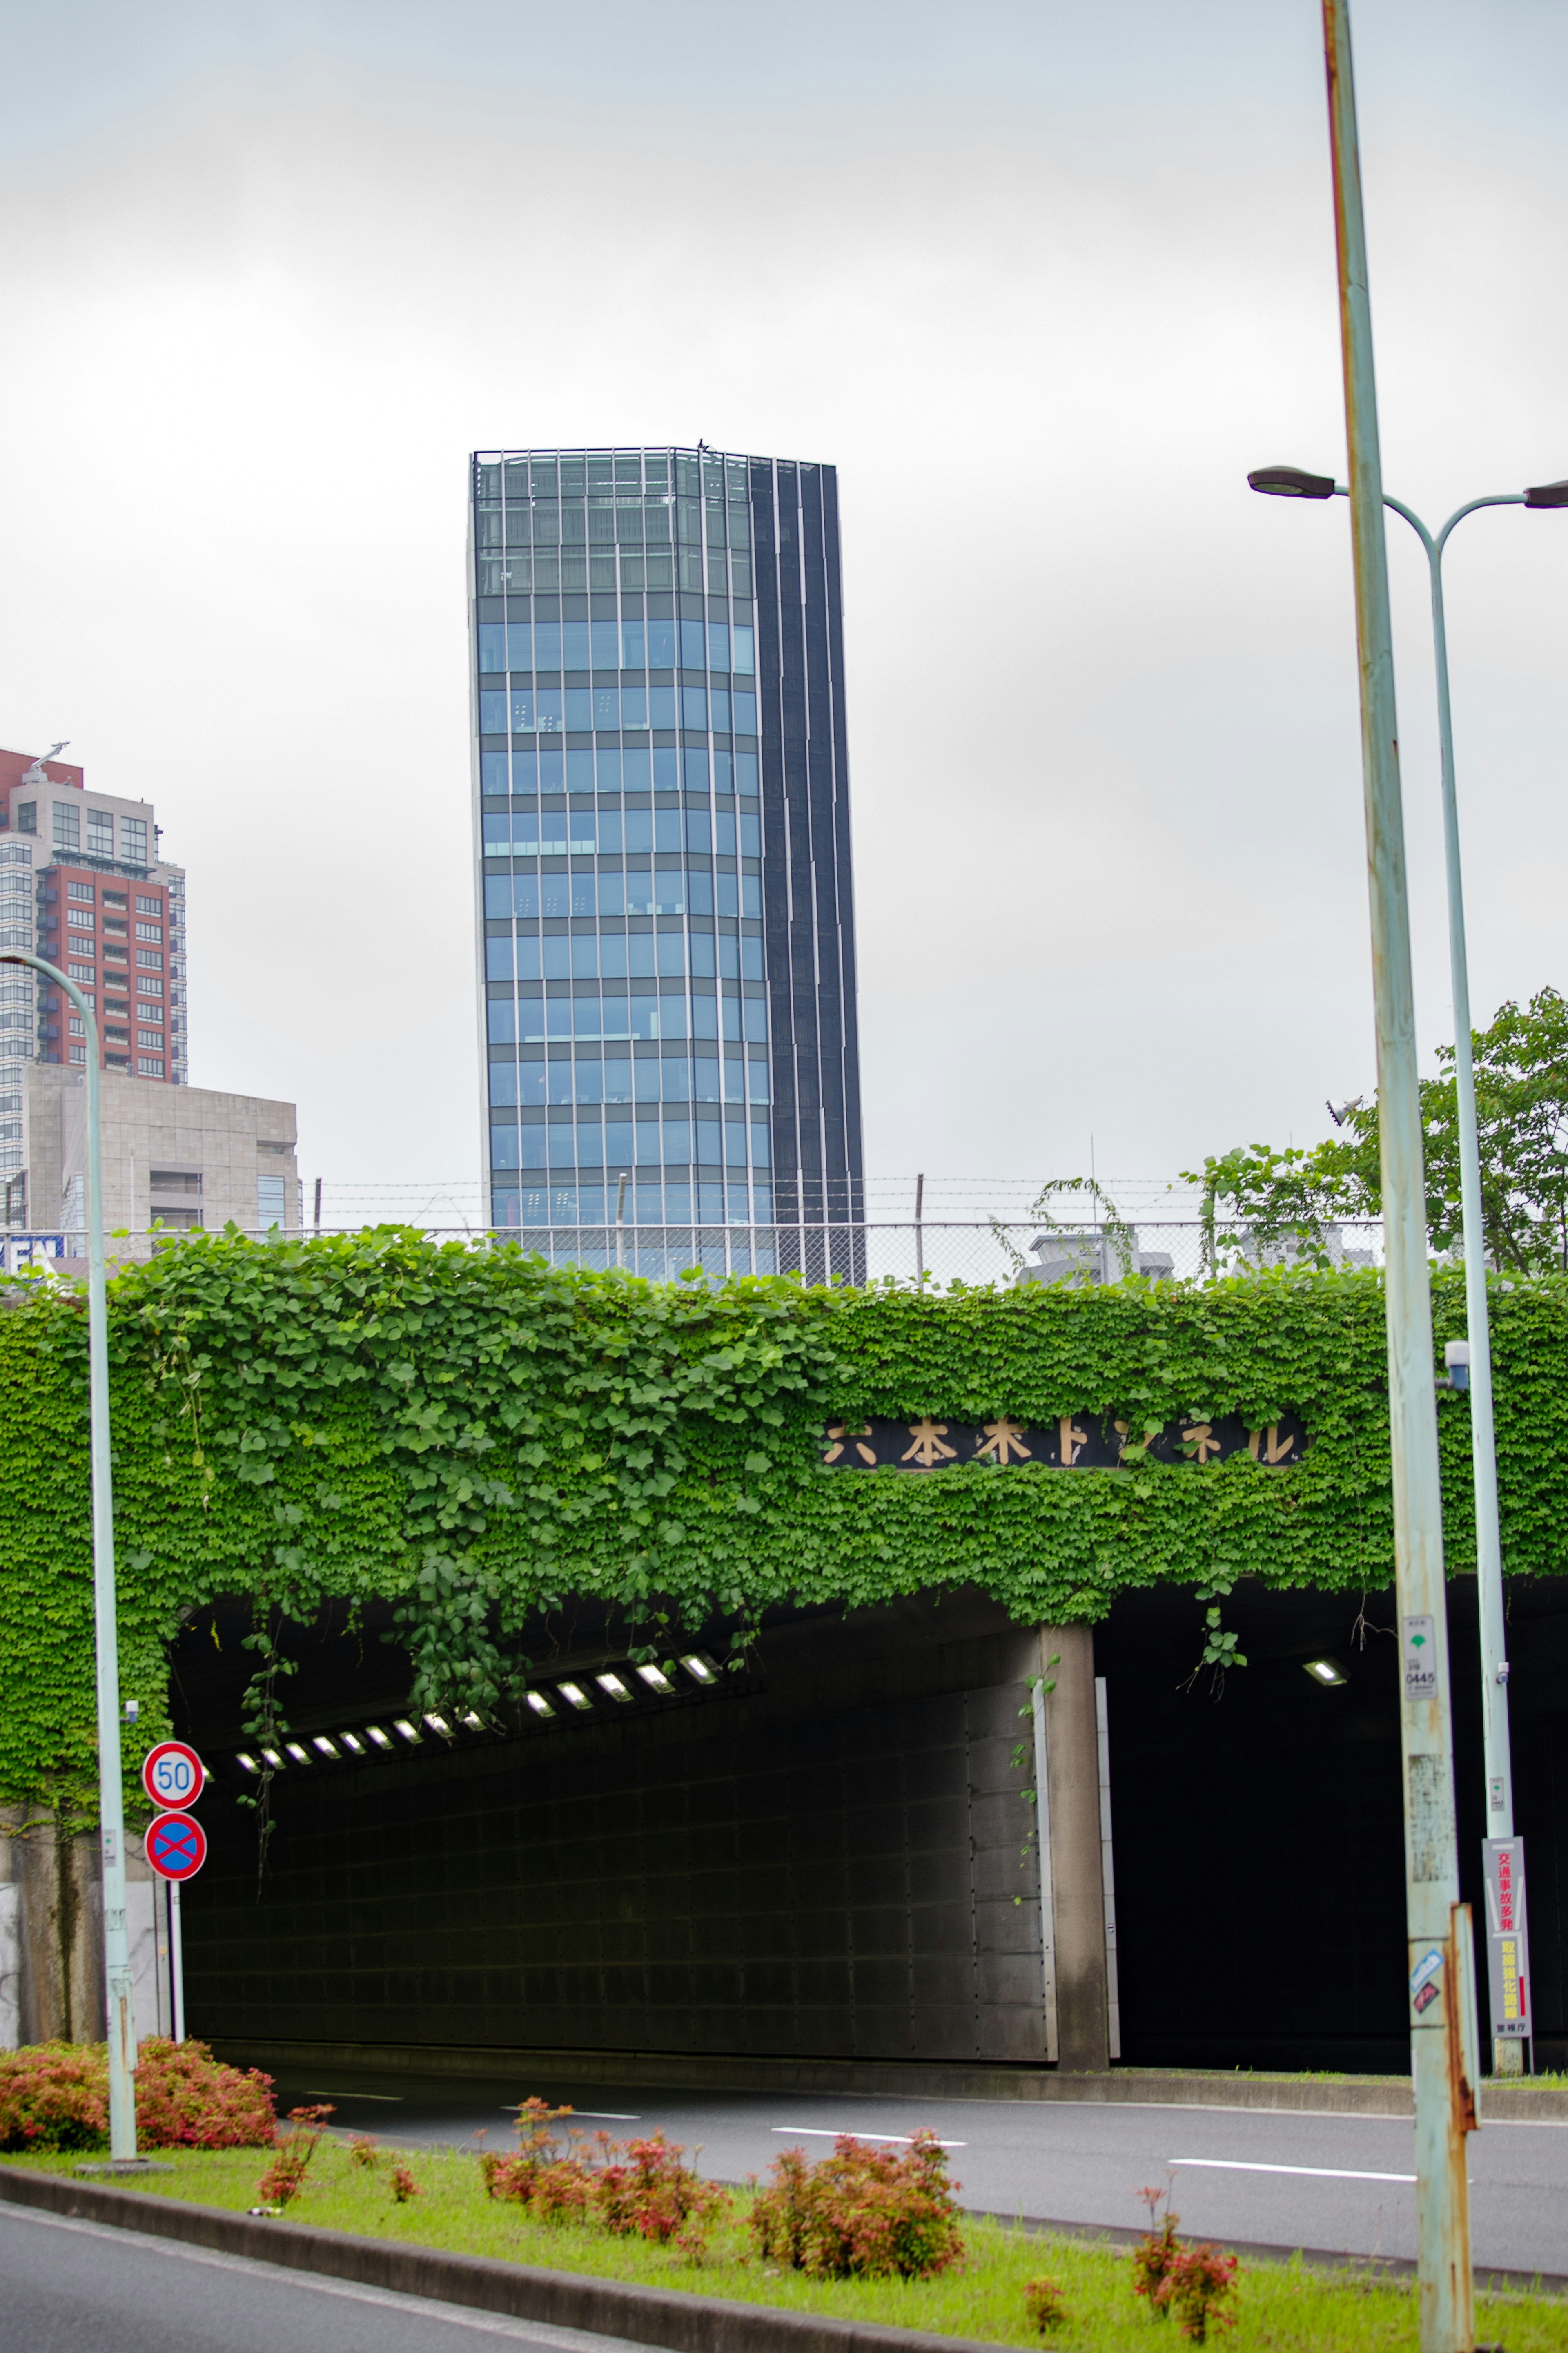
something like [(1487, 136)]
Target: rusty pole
[(1440, 1978)]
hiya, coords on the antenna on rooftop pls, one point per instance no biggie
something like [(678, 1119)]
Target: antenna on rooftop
[(35, 775)]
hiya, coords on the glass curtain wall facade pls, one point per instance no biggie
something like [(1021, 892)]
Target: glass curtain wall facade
[(667, 930)]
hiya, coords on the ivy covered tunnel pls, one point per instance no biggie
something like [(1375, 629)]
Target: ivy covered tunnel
[(891, 1493), (827, 1857)]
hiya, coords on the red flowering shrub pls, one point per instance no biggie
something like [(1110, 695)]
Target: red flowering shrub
[(874, 2212), (1044, 2307), (547, 2172), (1197, 2283), (636, 2189), (55, 2095), (186, 2099), (1198, 2288), (645, 2189), (1155, 2257), (403, 2186), (285, 2177)]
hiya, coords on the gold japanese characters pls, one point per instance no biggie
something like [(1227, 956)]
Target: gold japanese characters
[(1079, 1441)]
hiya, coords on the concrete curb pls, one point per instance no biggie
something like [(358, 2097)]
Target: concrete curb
[(1353, 2095), (647, 2315)]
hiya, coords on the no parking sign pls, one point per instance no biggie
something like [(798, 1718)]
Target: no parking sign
[(175, 1846)]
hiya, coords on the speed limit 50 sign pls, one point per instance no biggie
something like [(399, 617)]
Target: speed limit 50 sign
[(173, 1775)]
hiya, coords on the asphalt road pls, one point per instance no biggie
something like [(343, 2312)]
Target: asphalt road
[(1333, 2184), (70, 2284)]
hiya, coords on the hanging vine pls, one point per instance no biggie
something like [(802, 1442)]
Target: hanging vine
[(473, 1437)]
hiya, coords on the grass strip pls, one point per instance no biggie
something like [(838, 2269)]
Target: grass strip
[(1283, 2307)]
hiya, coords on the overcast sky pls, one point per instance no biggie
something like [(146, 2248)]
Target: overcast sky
[(1042, 282)]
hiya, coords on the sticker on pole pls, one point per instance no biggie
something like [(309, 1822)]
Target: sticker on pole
[(175, 1845), (173, 1775), (1420, 1648)]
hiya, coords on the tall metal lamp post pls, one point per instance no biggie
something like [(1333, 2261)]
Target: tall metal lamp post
[(119, 1983), (1439, 1992), (1293, 482)]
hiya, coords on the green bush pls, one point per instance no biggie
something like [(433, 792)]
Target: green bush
[(55, 2095), (864, 2212)]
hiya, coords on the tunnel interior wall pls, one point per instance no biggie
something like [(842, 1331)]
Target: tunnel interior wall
[(835, 1860)]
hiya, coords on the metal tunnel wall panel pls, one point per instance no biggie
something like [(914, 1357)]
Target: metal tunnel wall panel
[(721, 1880)]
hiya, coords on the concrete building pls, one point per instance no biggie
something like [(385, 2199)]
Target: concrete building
[(172, 1158), (82, 883)]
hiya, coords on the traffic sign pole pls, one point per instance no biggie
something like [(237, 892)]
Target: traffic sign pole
[(173, 1776), (176, 1962)]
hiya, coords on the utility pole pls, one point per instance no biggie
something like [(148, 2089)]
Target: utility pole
[(1440, 1991), (119, 1981)]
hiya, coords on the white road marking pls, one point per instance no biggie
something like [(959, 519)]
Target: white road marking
[(836, 2132), (388, 2099), (1320, 2172)]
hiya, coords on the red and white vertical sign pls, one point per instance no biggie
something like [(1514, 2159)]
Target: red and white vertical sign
[(1508, 1938)]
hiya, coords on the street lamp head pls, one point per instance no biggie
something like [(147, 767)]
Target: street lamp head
[(1547, 494), (1290, 482)]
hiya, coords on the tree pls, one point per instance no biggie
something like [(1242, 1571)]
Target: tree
[(1290, 1198)]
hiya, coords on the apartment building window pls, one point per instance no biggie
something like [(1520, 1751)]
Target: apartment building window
[(148, 906), (270, 1198), (149, 957), (68, 826), (27, 817), (151, 1038), (100, 832), (80, 890), (149, 931), (149, 1066), (134, 840), (176, 1180)]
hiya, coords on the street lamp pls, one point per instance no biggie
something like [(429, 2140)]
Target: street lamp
[(1290, 481), (118, 1982)]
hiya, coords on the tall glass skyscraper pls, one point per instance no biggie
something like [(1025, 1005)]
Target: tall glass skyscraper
[(667, 940)]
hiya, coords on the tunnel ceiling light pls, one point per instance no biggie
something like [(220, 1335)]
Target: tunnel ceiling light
[(573, 1694), (657, 1680), (352, 1742), (614, 1685), (382, 1739), (700, 1667), (249, 1763), (1326, 1671), (273, 1759), (324, 1745), (300, 1756), (401, 1724), (475, 1723), (438, 1724), (539, 1703)]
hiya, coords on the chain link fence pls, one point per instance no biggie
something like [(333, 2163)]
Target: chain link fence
[(1000, 1249)]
